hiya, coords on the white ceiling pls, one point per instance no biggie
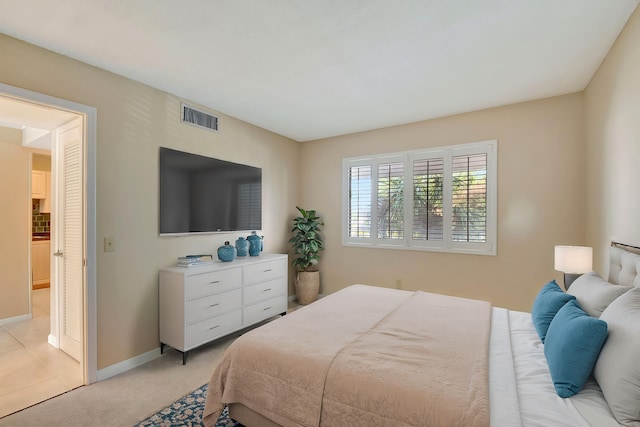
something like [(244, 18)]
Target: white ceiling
[(20, 114), (313, 69)]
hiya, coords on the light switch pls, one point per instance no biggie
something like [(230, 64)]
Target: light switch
[(108, 244)]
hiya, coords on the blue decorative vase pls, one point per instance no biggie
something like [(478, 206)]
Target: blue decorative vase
[(227, 252), (254, 244), (241, 246)]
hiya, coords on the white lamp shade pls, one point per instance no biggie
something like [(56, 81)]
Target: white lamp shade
[(573, 259)]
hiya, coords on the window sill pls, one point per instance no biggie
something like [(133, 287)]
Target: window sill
[(462, 251)]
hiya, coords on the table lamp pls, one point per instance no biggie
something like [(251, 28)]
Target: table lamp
[(573, 261)]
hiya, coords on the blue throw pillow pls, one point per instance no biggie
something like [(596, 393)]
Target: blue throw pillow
[(550, 299), (574, 341)]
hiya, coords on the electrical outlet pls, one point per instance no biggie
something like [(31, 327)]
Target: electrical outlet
[(108, 244), (399, 284)]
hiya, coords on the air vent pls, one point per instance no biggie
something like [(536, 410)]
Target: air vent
[(199, 118)]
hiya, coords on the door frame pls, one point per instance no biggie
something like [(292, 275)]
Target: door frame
[(89, 114)]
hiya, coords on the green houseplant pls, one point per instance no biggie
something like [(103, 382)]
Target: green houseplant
[(307, 244)]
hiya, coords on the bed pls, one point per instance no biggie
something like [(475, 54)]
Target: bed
[(373, 356)]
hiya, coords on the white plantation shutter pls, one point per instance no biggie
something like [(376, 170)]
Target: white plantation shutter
[(359, 195), (469, 198), (428, 179), (391, 200), (441, 199)]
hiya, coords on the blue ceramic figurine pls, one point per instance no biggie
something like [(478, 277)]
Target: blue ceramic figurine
[(227, 252), (242, 246), (254, 244)]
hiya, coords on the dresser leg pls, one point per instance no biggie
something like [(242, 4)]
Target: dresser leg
[(283, 313), (161, 348), (184, 357)]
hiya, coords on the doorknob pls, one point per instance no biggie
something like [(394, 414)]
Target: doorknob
[(58, 253)]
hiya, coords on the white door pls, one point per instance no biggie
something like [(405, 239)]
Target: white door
[(68, 235)]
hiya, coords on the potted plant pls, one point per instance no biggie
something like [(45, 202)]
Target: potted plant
[(307, 244)]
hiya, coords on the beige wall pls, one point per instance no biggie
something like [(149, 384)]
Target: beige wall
[(612, 113), (41, 162), (540, 199), (546, 178), (134, 120), (15, 224)]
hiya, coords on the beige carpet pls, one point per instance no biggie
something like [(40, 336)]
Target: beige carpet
[(128, 398)]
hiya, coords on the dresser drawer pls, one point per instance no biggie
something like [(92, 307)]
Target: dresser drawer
[(210, 329), (213, 305), (214, 282), (264, 291), (263, 271), (201, 304), (264, 310)]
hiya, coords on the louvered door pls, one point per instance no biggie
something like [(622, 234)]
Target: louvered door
[(70, 242)]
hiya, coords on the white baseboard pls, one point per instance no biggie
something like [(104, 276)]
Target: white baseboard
[(53, 340), (125, 365), (15, 319)]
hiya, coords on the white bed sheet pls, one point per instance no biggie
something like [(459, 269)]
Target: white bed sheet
[(504, 408), (522, 393)]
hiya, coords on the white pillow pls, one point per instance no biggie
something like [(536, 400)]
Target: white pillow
[(617, 370), (594, 293)]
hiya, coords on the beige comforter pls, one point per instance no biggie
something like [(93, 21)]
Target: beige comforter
[(363, 356)]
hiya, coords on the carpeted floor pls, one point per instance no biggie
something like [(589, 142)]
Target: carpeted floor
[(187, 412)]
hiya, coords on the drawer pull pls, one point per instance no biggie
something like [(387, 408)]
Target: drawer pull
[(266, 290), (213, 305), (214, 282), (268, 270), (213, 327), (265, 309)]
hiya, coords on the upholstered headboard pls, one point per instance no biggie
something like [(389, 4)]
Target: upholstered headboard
[(624, 265)]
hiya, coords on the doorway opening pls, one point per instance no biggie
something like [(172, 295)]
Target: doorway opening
[(46, 306)]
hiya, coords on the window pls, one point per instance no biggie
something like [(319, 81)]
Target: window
[(441, 199)]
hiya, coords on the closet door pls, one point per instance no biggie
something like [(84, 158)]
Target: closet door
[(69, 238)]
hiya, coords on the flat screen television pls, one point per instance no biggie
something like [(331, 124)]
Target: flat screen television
[(201, 194)]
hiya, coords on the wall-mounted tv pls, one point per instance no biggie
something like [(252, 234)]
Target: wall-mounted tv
[(201, 194)]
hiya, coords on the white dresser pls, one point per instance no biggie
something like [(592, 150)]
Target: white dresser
[(201, 304)]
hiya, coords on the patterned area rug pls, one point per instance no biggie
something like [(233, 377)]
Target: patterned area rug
[(186, 411)]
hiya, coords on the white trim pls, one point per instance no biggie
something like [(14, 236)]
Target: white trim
[(15, 319), (90, 125), (125, 365), (91, 313), (53, 341), (490, 147)]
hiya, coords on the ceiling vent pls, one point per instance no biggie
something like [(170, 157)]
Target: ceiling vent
[(196, 117)]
